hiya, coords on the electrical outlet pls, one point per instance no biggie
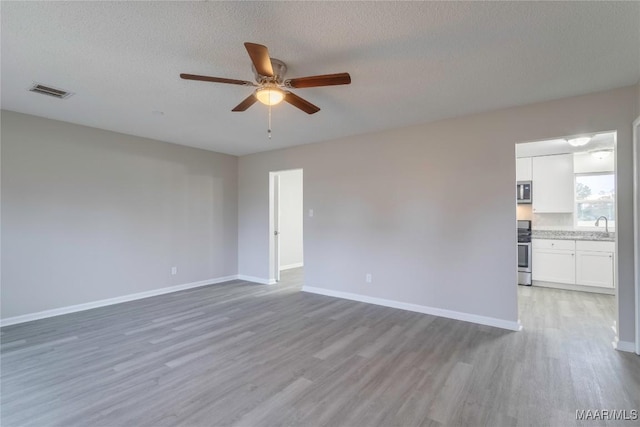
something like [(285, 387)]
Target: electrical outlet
[(174, 271), (368, 278), (310, 213)]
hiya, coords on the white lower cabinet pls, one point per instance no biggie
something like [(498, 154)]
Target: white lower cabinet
[(553, 261), (594, 264), (585, 263), (552, 265)]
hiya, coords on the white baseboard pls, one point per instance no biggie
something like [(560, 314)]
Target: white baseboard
[(290, 266), (255, 279), (580, 288), (110, 301), (450, 314), (624, 345)]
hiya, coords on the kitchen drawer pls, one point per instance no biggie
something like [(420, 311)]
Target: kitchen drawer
[(568, 245), (590, 245)]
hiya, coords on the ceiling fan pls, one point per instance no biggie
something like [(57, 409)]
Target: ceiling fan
[(271, 86)]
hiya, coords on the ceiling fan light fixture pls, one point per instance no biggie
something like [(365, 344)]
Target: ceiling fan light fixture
[(271, 87), (579, 142), (270, 95)]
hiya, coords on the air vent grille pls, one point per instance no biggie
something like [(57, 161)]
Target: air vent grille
[(51, 91)]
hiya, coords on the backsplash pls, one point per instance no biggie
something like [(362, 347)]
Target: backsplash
[(552, 221)]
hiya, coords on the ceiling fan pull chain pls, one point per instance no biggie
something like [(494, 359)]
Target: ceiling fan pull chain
[(269, 130)]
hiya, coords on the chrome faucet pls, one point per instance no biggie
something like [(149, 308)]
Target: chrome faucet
[(606, 223)]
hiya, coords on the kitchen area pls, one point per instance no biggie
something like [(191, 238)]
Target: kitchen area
[(566, 215)]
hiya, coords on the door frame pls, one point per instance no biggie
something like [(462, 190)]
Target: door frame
[(276, 226), (274, 213), (636, 225), (636, 147)]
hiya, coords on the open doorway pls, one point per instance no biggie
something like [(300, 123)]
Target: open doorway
[(566, 208), (286, 248)]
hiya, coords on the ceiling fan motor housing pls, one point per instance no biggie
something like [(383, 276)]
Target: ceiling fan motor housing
[(279, 70)]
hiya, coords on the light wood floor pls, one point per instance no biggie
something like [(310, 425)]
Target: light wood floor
[(254, 355)]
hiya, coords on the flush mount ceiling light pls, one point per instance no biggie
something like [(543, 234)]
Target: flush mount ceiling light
[(601, 154), (270, 95), (579, 142)]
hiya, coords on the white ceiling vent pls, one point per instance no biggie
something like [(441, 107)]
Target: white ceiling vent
[(51, 91)]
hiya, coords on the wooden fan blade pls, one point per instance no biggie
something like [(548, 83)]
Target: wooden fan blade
[(259, 55), (323, 80), (300, 103), (248, 102), (216, 79)]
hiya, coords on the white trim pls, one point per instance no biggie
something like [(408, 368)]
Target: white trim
[(624, 345), (636, 225), (570, 287), (110, 301), (457, 315), (256, 279), (290, 266)]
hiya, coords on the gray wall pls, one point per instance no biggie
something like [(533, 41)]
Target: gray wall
[(291, 252), (89, 214), (429, 209)]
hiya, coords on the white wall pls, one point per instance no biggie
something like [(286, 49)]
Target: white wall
[(89, 214), (398, 204), (291, 251)]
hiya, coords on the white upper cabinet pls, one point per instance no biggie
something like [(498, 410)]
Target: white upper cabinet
[(586, 163), (523, 169), (553, 184)]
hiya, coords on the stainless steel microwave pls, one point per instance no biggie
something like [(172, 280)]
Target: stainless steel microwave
[(523, 191)]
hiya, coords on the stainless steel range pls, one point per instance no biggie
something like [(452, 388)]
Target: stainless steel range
[(524, 253)]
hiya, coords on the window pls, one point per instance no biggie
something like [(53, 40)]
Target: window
[(595, 197)]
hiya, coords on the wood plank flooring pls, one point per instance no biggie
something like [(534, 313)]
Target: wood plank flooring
[(252, 355)]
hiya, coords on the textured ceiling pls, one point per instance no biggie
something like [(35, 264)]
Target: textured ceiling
[(410, 62)]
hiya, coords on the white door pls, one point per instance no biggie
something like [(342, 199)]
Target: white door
[(276, 226)]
